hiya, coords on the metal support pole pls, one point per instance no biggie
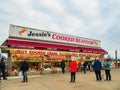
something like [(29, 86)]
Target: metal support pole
[(116, 63)]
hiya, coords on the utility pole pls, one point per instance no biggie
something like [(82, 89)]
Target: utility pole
[(116, 62)]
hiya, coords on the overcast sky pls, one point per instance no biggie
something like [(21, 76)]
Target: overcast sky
[(95, 19)]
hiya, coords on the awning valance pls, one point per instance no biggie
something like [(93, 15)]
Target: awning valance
[(41, 45)]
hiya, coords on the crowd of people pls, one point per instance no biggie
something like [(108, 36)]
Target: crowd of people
[(95, 66), (24, 68), (74, 67)]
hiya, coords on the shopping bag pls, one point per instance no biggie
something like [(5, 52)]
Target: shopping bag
[(20, 74)]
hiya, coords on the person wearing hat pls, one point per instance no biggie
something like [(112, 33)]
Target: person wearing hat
[(2, 69), (73, 70)]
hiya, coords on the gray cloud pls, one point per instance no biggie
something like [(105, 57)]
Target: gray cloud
[(96, 19)]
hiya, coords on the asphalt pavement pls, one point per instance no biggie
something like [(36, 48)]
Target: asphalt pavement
[(60, 81)]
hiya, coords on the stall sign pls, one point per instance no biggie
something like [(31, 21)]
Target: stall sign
[(24, 51), (36, 34)]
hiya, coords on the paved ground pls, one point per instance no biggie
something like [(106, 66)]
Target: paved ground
[(60, 81)]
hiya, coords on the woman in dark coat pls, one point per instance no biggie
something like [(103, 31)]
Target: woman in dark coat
[(97, 68)]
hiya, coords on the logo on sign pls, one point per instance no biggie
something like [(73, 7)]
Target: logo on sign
[(22, 31), (95, 42), (34, 34)]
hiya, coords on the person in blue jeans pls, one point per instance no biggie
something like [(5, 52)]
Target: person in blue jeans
[(97, 68), (24, 67), (106, 66)]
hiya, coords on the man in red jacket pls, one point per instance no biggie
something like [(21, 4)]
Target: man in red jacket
[(73, 70)]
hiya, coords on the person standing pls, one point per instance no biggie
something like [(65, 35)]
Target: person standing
[(24, 67), (79, 66), (93, 65), (106, 66), (84, 67), (97, 68), (2, 69), (63, 66), (73, 70), (89, 66)]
